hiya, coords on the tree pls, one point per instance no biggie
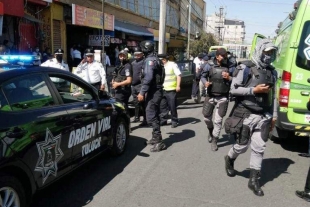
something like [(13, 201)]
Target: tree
[(202, 44)]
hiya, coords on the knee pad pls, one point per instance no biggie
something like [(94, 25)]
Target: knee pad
[(207, 108), (244, 136), (265, 130), (223, 109)]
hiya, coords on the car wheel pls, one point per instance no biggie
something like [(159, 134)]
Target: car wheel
[(120, 136), (12, 193)]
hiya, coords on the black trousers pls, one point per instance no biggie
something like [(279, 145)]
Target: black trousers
[(97, 85), (135, 90), (153, 99), (195, 87), (122, 95), (169, 103)]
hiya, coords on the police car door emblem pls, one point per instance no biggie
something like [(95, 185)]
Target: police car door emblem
[(49, 155)]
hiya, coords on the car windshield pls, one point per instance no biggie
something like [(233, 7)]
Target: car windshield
[(303, 54)]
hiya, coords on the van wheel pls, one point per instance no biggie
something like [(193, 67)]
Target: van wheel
[(278, 135), (120, 136), (12, 193)]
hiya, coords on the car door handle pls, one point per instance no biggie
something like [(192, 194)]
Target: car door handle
[(16, 133), (304, 93)]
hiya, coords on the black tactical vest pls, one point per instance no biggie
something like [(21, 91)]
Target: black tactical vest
[(219, 84), (118, 77), (261, 102)]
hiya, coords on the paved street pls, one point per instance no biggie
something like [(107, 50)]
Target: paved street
[(187, 174)]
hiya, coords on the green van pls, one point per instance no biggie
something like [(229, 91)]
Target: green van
[(293, 67)]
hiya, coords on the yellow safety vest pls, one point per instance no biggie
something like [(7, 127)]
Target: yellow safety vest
[(170, 82)]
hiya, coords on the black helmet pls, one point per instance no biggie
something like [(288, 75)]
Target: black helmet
[(137, 50), (89, 51), (147, 46), (59, 51)]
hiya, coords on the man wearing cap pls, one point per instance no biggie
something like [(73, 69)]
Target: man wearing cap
[(92, 71), (255, 112), (122, 78), (216, 80), (171, 88), (57, 62), (137, 65), (195, 89)]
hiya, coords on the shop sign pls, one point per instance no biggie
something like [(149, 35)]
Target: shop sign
[(132, 43), (96, 40), (116, 41), (91, 18)]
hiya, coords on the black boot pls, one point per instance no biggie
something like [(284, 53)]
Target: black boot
[(303, 194), (214, 144), (210, 137), (143, 123), (137, 115), (306, 193), (229, 166), (158, 147), (254, 184), (155, 139)]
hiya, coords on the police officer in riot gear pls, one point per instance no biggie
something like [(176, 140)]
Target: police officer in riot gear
[(137, 65), (152, 91), (122, 78), (216, 79), (255, 112)]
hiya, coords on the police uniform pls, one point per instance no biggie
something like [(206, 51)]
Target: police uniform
[(92, 72), (121, 73), (251, 117), (216, 99), (60, 64), (137, 65), (169, 101), (152, 89)]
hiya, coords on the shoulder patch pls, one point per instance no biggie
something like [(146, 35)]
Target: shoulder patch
[(151, 62)]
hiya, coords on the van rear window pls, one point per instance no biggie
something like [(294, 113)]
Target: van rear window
[(301, 60)]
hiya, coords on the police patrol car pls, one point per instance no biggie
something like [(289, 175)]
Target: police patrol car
[(51, 122)]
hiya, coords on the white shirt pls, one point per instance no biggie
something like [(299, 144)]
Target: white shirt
[(76, 54), (198, 64), (92, 72), (53, 63)]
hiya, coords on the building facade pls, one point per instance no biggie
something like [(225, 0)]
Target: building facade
[(63, 23)]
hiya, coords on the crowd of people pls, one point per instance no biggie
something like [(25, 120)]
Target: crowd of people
[(154, 81)]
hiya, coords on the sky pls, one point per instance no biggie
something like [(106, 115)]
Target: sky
[(259, 16)]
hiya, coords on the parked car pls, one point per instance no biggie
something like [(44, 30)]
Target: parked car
[(186, 84), (52, 122)]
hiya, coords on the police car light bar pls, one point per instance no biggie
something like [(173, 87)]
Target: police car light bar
[(18, 57)]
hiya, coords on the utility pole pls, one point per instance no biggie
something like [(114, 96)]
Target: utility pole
[(103, 54), (189, 27), (220, 25), (162, 27)]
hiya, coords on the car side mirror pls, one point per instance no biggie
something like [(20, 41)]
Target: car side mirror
[(103, 94)]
